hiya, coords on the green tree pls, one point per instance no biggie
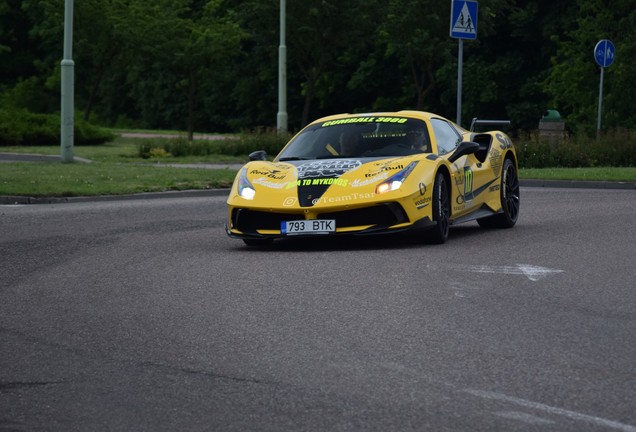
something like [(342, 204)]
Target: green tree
[(573, 81), (416, 34), (179, 44), (253, 83), (325, 41), (506, 66), (4, 31), (23, 68), (414, 61), (214, 64), (320, 31), (97, 43)]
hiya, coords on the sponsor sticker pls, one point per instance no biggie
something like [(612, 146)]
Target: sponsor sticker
[(398, 120)]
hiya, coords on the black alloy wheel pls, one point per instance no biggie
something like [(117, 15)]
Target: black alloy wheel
[(510, 199), (441, 210)]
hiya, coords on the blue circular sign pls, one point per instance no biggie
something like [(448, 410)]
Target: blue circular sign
[(604, 53)]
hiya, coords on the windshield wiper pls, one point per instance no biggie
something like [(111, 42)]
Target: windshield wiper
[(292, 158)]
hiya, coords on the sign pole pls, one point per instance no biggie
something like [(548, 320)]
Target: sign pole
[(67, 119), (281, 118), (463, 25), (460, 66), (600, 100)]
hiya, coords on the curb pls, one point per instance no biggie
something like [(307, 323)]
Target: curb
[(577, 184), (12, 200)]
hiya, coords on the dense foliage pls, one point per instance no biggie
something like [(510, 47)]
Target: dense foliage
[(241, 145), (24, 128), (612, 149), (213, 65)]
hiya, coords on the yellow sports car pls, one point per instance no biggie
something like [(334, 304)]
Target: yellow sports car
[(376, 173)]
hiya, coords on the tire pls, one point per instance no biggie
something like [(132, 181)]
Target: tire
[(258, 242), (438, 234), (510, 200)]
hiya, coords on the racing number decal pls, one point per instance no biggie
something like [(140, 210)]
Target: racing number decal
[(467, 176)]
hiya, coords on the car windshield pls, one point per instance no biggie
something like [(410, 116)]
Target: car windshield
[(359, 137)]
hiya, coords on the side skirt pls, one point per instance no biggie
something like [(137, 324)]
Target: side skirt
[(477, 214)]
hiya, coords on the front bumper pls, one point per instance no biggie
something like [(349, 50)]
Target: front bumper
[(377, 219)]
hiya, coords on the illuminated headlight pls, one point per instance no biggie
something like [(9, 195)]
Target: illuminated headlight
[(245, 188), (395, 181)]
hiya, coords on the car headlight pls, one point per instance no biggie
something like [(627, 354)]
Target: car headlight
[(245, 188), (395, 181)]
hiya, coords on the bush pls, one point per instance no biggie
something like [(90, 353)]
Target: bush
[(244, 144), (613, 148), (24, 128)]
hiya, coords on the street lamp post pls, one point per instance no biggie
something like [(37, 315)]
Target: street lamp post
[(281, 118), (67, 121)]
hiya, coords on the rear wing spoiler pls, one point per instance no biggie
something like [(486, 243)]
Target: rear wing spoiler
[(477, 122)]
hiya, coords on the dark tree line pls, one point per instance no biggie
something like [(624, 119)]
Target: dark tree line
[(213, 65)]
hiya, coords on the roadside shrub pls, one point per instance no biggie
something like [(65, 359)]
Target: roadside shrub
[(242, 145), (612, 148), (24, 128), (264, 139)]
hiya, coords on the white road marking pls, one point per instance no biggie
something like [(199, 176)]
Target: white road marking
[(532, 272), (524, 417), (397, 367), (553, 410)]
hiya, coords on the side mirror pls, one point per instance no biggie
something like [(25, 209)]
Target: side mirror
[(465, 148), (259, 155)]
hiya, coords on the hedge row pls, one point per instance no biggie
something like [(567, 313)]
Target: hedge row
[(241, 145), (23, 128), (615, 148)]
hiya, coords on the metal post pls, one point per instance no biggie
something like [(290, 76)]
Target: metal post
[(67, 121), (600, 100), (281, 118), (460, 65)]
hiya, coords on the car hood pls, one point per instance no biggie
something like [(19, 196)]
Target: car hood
[(309, 183)]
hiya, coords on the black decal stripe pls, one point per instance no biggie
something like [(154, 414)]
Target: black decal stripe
[(483, 188)]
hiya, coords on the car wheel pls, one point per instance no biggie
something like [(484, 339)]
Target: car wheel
[(510, 200), (258, 242), (441, 210)]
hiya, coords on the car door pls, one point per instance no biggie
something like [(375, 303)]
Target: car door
[(467, 173)]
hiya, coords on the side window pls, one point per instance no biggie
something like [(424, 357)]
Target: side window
[(446, 136)]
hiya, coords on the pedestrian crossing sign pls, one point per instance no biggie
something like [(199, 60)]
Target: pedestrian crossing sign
[(463, 24)]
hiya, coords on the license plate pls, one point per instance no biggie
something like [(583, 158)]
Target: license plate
[(322, 226)]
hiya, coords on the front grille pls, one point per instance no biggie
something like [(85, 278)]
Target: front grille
[(383, 215), (248, 221), (379, 216)]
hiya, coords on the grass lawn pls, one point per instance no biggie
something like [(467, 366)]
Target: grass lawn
[(624, 174), (121, 150), (38, 179), (116, 168)]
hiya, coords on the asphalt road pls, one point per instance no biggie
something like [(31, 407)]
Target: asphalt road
[(141, 315)]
